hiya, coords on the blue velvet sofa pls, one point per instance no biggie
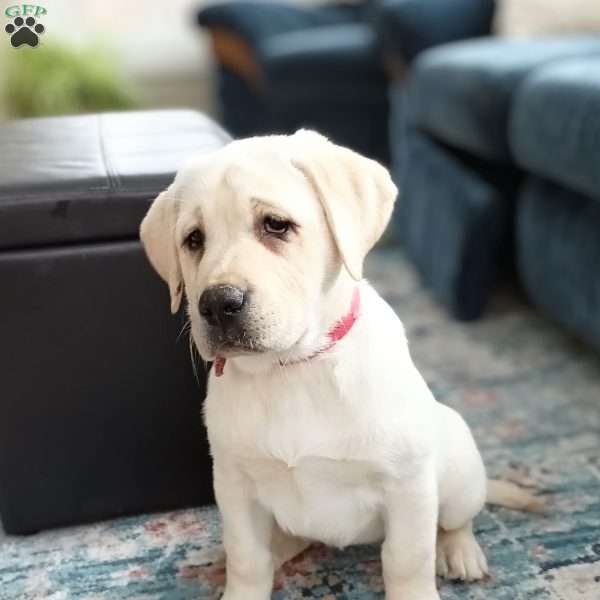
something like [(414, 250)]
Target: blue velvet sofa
[(282, 66), (496, 147)]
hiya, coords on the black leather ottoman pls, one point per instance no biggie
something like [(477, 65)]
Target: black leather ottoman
[(100, 413)]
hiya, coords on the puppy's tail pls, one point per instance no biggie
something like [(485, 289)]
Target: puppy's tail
[(510, 495)]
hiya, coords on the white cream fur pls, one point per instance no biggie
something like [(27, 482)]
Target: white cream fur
[(351, 446)]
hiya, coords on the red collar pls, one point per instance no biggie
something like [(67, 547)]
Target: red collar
[(338, 332)]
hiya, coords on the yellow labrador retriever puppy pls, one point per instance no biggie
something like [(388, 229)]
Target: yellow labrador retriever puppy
[(320, 425)]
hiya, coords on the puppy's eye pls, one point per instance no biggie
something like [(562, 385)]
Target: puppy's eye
[(194, 240), (276, 226)]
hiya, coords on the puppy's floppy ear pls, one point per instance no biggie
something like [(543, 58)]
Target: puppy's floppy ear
[(357, 194), (157, 233)]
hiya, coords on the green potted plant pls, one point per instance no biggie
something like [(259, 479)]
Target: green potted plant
[(55, 78)]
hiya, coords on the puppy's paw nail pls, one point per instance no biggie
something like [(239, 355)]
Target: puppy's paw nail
[(460, 554)]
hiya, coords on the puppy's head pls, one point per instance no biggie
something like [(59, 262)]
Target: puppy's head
[(259, 236)]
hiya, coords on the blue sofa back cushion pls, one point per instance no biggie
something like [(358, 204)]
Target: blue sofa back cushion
[(408, 27), (461, 93), (555, 124)]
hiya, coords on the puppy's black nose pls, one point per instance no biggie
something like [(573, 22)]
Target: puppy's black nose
[(221, 304)]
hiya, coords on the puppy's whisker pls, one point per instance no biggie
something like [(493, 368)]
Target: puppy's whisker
[(193, 354), (283, 366), (185, 328)]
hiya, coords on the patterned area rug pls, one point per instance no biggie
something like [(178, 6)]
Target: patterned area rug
[(532, 397)]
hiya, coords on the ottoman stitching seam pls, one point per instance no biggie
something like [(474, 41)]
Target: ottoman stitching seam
[(113, 182)]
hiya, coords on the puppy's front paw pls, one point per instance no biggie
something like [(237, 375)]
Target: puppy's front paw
[(246, 590), (244, 595), (429, 593), (459, 556)]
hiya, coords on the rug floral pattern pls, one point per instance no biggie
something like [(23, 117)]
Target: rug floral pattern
[(532, 396)]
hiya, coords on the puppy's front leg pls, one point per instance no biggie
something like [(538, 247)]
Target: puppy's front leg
[(408, 553), (247, 532)]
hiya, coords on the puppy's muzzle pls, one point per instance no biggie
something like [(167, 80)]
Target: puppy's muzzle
[(223, 307)]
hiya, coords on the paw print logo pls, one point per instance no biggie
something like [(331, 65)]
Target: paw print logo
[(24, 31)]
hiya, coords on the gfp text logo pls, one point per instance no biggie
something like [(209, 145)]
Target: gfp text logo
[(24, 28)]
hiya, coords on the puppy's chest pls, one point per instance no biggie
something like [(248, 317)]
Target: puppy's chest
[(312, 463), (334, 501), (320, 478)]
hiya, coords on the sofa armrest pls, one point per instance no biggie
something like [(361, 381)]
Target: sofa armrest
[(238, 28), (407, 27), (257, 20), (341, 51)]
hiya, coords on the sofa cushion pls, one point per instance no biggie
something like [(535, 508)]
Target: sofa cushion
[(91, 177), (455, 222), (558, 253), (555, 124), (461, 93)]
